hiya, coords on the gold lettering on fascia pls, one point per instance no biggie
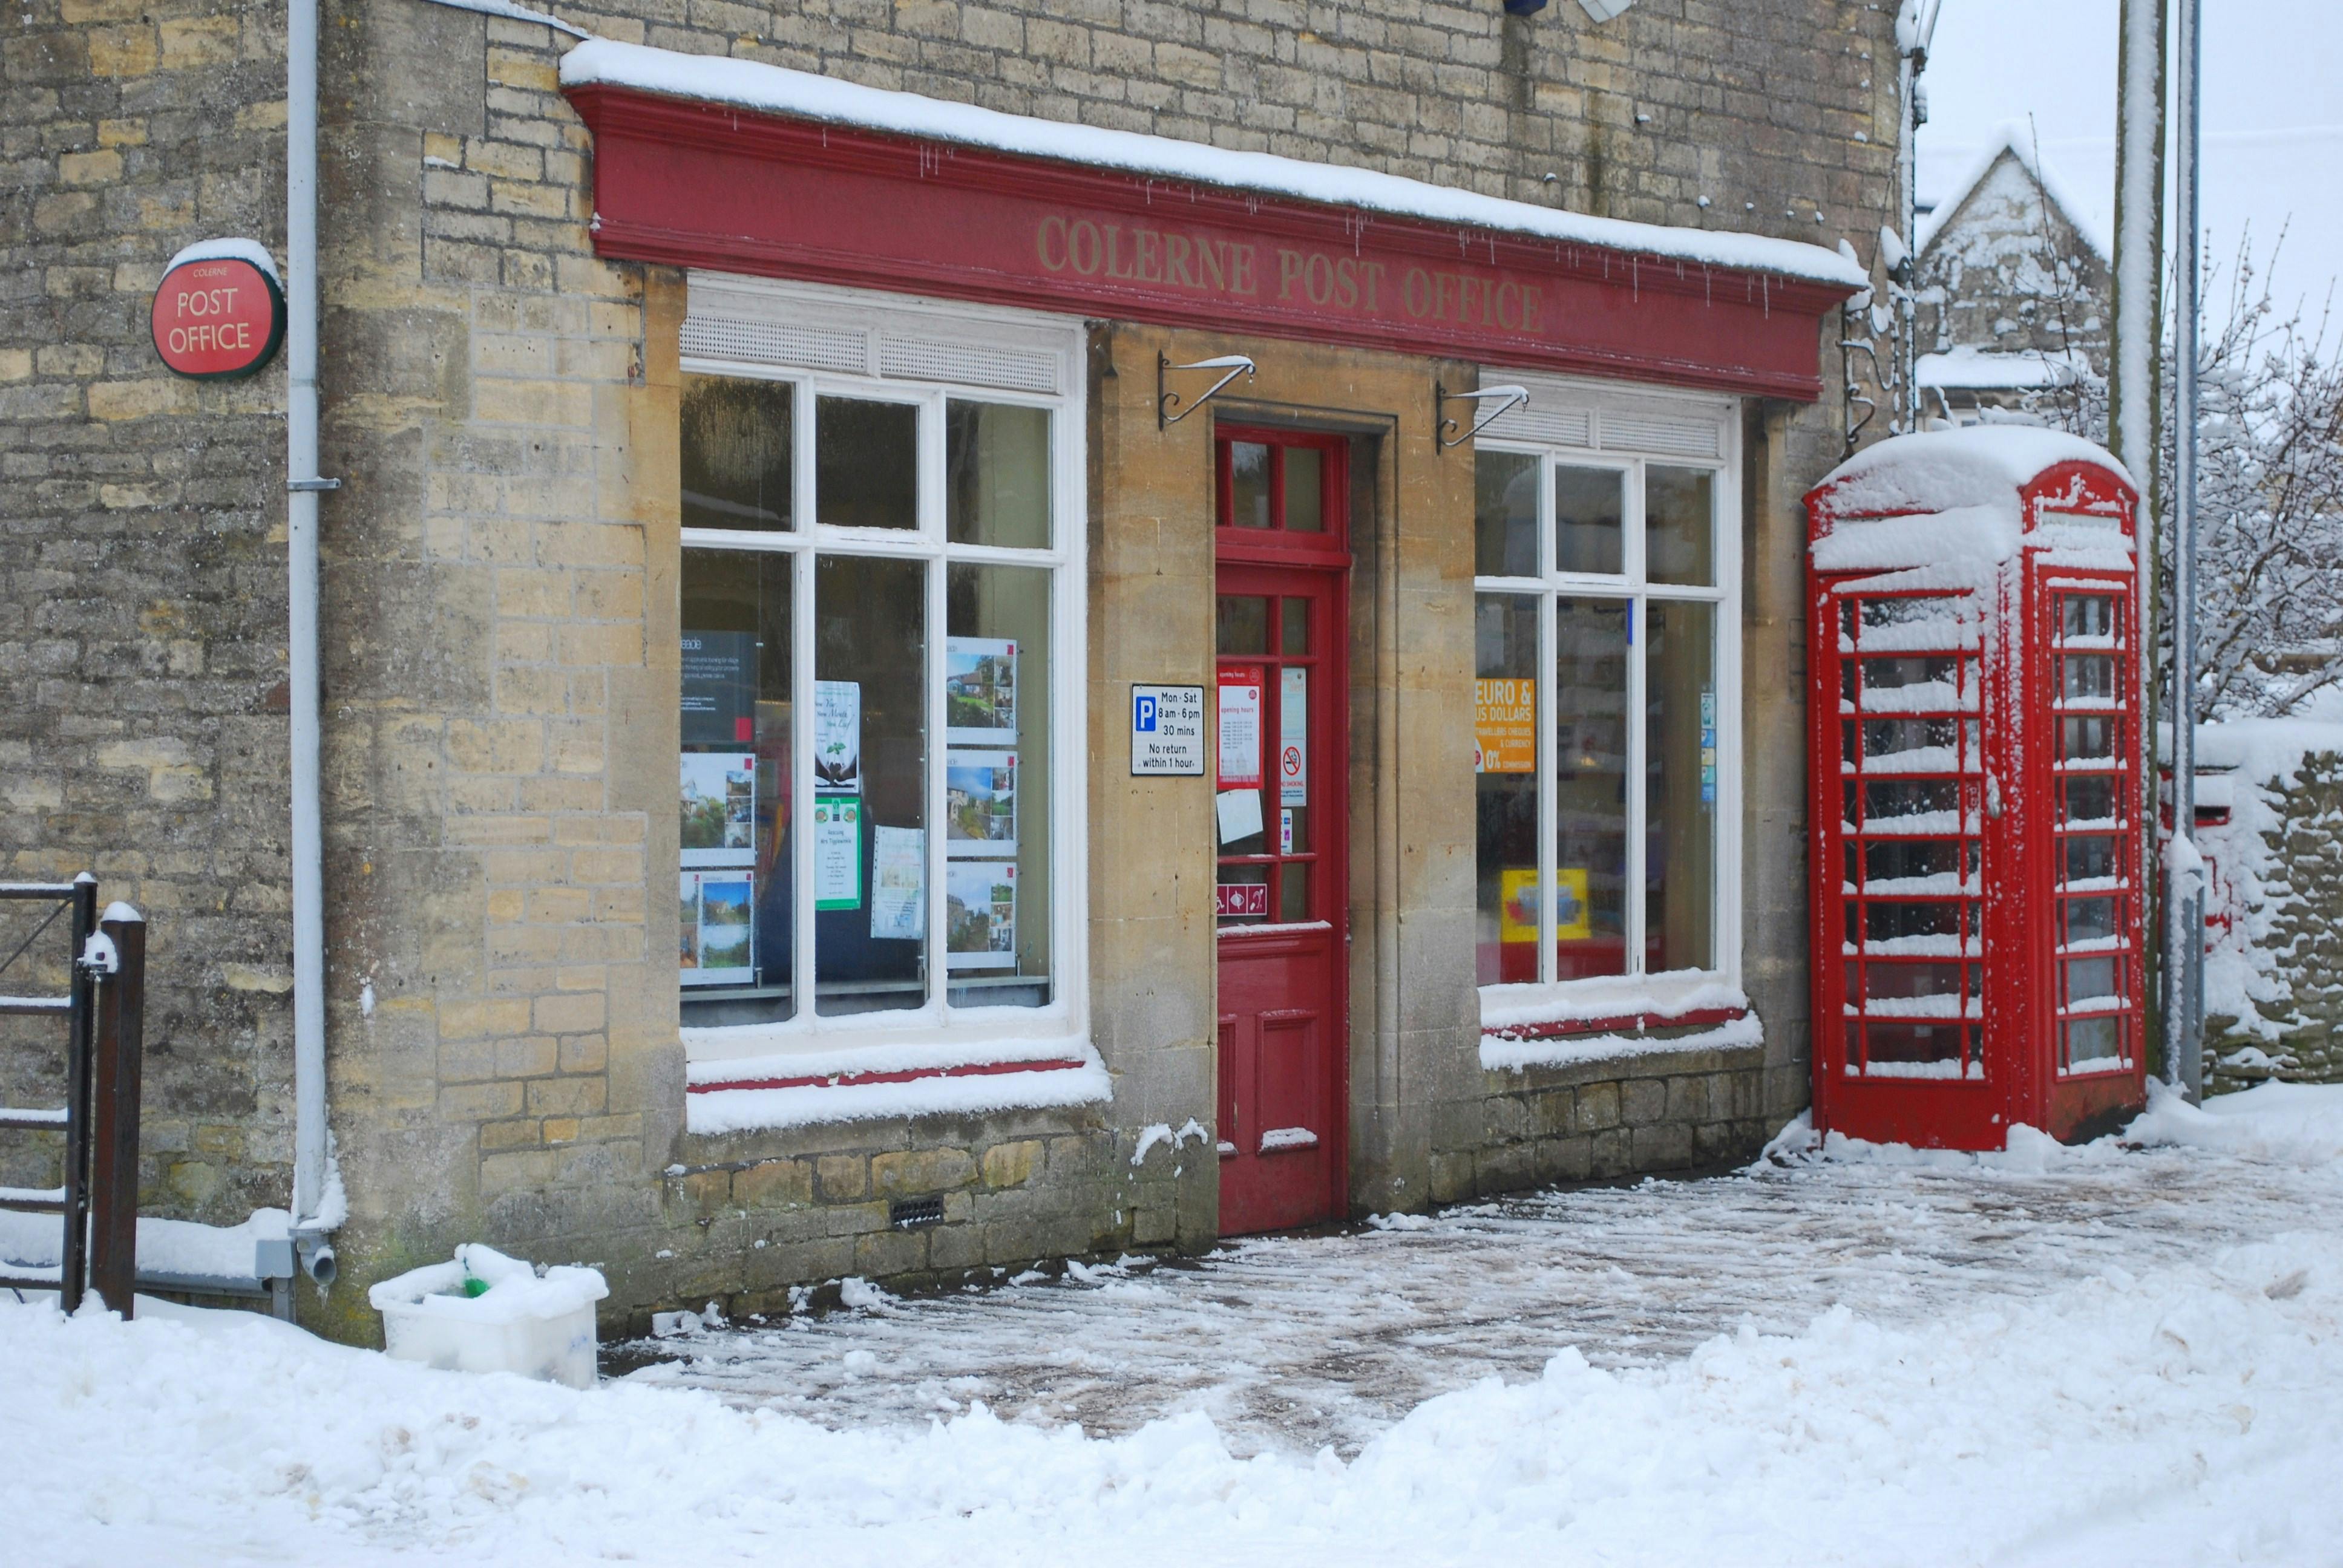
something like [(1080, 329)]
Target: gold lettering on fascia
[(1131, 252)]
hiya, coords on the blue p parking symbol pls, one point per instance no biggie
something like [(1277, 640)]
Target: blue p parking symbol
[(1143, 712)]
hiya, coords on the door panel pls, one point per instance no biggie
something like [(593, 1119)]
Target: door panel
[(1282, 759)]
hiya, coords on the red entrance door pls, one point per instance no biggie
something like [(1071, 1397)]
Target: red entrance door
[(1284, 562)]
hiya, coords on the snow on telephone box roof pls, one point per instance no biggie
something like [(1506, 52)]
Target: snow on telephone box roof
[(1945, 497), (776, 89)]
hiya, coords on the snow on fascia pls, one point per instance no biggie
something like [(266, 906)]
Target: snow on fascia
[(774, 89), (1943, 470)]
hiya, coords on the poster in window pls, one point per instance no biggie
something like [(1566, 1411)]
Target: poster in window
[(716, 927), (1240, 748), (837, 852), (980, 691), (1517, 905), (979, 802), (719, 688), (717, 803), (1504, 725), (980, 915), (838, 736), (898, 884), (1293, 738)]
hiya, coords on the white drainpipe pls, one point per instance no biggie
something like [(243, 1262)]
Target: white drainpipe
[(301, 623)]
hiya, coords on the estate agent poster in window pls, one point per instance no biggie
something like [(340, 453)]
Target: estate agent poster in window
[(980, 914), (980, 691), (717, 945)]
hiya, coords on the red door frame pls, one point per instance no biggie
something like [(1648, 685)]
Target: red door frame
[(1259, 1190)]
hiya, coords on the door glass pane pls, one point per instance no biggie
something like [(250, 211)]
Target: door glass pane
[(869, 816), (1504, 765), (1242, 624), (997, 804), (1589, 520), (1505, 515), (736, 445), (1679, 546), (1680, 756), (1590, 707), (1293, 626), (1248, 484), (866, 464), (997, 475), (736, 911), (1305, 501)]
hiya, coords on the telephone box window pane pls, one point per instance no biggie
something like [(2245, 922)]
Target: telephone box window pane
[(1912, 1044), (736, 441), (1679, 506), (2090, 857), (1888, 800), (2088, 678), (1907, 980), (2088, 919), (1910, 740), (1902, 859), (869, 812), (997, 475), (735, 915), (1505, 808), (1589, 520), (1680, 788), (1505, 515), (2088, 739), (998, 870), (866, 464), (2090, 979), (2086, 615), (1894, 673), (2093, 1041), (1589, 698), (1249, 484), (2090, 798), (1304, 486), (1899, 920)]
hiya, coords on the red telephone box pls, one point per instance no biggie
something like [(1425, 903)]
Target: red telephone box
[(1974, 714)]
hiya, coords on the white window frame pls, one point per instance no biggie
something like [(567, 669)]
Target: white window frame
[(1591, 426), (826, 324)]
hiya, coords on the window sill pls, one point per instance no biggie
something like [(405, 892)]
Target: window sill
[(891, 1082), (1514, 1053), (1611, 1005)]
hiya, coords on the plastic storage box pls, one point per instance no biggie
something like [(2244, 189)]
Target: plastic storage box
[(485, 1312)]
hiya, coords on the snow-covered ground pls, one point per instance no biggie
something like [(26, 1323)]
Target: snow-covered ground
[(2050, 1356)]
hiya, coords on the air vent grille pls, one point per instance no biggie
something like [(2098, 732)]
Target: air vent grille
[(1647, 433), (973, 364), (913, 1213), (776, 343)]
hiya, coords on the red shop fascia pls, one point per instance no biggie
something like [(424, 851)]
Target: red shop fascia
[(686, 182)]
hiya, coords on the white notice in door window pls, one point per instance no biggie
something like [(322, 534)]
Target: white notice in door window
[(1239, 814), (899, 879), (1293, 738), (1241, 727)]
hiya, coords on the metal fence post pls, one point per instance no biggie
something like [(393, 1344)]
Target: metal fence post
[(114, 1133), (73, 1256)]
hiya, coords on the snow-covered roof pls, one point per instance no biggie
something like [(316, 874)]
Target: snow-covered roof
[(774, 89), (2016, 140), (1938, 470), (1967, 369)]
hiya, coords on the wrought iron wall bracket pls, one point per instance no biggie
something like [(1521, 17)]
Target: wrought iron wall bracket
[(1166, 400), (1508, 399)]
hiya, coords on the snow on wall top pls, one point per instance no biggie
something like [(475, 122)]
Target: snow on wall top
[(1968, 369), (1939, 470), (775, 89)]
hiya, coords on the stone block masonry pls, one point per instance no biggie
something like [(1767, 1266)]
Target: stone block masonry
[(500, 601)]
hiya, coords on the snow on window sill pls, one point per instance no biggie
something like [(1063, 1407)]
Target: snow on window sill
[(1625, 1003), (891, 1082), (1499, 1053)]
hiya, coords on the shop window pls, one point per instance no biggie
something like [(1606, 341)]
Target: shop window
[(1605, 700), (874, 625)]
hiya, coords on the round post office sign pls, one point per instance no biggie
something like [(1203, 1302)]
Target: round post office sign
[(218, 314)]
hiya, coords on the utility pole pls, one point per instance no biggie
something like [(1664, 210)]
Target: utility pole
[(1915, 27), (2136, 394), (2184, 1010)]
